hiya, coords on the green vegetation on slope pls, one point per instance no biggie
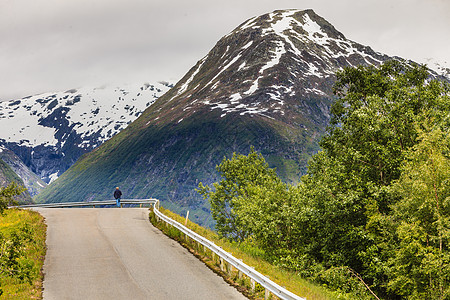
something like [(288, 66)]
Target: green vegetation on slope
[(372, 217), (8, 176), (22, 240), (167, 161), (31, 181)]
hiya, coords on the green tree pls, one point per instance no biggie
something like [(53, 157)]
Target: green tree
[(375, 121), (268, 212), (361, 214), (372, 125), (239, 174), (421, 264), (7, 195)]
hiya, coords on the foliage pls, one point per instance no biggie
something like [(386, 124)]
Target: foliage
[(8, 176), (373, 212), (7, 195), (376, 122), (239, 174), (22, 248), (421, 265), (11, 249)]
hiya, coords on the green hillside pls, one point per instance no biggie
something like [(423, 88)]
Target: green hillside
[(167, 161), (7, 175)]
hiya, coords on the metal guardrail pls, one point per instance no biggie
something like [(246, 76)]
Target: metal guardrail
[(90, 203), (265, 282)]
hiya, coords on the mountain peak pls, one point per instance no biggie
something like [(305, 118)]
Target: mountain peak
[(267, 63), (303, 22)]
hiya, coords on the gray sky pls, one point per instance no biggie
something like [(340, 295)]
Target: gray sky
[(55, 45)]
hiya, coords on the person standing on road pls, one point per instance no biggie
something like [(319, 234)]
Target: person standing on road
[(117, 195)]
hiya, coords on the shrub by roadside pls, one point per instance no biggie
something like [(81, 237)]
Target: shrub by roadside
[(22, 242)]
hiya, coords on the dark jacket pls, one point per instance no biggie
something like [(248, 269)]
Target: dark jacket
[(117, 194)]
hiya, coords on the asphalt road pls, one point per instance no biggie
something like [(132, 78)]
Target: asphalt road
[(112, 253)]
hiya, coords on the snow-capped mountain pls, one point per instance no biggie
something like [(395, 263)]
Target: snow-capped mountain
[(272, 61), (268, 84), (50, 131)]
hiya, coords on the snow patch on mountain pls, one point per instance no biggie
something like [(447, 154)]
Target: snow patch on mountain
[(279, 51), (236, 58), (103, 112), (21, 124), (440, 67), (53, 177), (185, 85)]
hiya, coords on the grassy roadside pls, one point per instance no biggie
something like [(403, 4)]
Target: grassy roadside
[(248, 255), (15, 220)]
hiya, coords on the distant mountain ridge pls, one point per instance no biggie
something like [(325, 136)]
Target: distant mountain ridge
[(49, 132), (267, 84)]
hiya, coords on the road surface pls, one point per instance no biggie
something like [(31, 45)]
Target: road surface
[(112, 253)]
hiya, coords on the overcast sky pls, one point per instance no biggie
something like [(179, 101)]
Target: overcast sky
[(55, 45)]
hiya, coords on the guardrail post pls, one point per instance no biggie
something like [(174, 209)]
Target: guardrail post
[(222, 265), (227, 268), (240, 272), (266, 294), (253, 285), (197, 247), (187, 218), (230, 269)]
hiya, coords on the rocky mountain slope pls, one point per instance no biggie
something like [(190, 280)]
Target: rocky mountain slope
[(49, 132), (268, 84), (7, 176), (31, 181)]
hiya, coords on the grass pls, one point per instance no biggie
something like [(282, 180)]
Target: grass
[(35, 249), (290, 280)]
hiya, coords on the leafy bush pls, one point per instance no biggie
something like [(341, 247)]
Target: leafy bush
[(22, 248), (7, 195)]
